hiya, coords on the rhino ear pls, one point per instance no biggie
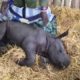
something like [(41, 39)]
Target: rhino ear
[(2, 29), (63, 34)]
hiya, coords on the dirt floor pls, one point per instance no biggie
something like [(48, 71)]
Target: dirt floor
[(67, 19)]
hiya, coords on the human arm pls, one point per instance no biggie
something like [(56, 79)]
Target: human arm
[(44, 15), (44, 7), (4, 6)]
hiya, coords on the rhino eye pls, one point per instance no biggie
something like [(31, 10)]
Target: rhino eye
[(60, 50)]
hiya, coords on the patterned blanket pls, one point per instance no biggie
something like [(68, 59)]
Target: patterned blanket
[(32, 16)]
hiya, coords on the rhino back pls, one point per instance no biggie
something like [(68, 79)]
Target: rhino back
[(18, 31)]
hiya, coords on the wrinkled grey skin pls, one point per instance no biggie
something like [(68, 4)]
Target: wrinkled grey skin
[(34, 40)]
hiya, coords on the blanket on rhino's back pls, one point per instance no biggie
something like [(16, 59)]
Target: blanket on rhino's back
[(32, 40)]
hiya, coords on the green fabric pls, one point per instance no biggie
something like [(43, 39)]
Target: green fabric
[(18, 3), (50, 28), (43, 2), (31, 3)]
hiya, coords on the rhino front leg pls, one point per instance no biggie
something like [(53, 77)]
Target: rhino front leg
[(29, 49)]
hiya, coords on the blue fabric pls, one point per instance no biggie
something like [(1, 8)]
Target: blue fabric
[(31, 14), (11, 2), (18, 16)]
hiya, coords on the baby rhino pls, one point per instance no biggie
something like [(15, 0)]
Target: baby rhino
[(34, 40)]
